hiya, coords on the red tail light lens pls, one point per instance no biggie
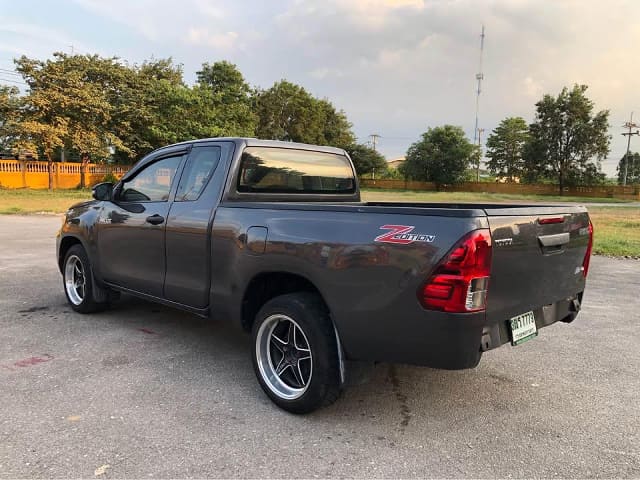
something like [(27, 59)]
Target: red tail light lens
[(587, 255), (460, 282)]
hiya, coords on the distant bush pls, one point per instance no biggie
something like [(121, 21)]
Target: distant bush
[(110, 177)]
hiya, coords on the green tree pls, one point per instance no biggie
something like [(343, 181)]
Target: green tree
[(441, 156), (67, 106), (152, 102), (366, 160), (567, 140), (505, 147), (633, 168), (225, 78), (334, 125), (229, 98), (10, 104), (288, 112)]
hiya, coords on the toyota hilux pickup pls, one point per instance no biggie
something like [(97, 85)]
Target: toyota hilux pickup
[(272, 236)]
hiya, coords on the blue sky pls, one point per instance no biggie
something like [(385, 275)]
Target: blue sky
[(396, 67)]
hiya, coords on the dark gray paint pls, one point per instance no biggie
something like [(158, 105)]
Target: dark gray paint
[(207, 252)]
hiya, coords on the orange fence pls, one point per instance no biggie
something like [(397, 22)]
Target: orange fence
[(630, 192), (35, 174)]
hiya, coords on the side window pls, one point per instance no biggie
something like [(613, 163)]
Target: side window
[(153, 183), (200, 166)]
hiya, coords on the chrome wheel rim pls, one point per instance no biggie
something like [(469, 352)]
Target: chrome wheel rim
[(75, 280), (284, 357)]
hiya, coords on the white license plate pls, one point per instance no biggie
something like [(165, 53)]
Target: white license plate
[(523, 328)]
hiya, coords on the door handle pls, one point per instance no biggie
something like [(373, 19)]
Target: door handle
[(155, 219), (556, 240)]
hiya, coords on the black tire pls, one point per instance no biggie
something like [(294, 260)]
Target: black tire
[(308, 313), (85, 298)]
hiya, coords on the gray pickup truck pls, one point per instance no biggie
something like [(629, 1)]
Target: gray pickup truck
[(273, 237)]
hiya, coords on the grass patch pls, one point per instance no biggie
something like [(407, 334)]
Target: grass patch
[(617, 231), (378, 195), (14, 201), (12, 210)]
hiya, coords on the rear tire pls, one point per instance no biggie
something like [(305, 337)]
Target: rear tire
[(295, 353), (78, 282)]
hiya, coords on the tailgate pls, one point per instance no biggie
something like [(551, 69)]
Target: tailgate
[(538, 253)]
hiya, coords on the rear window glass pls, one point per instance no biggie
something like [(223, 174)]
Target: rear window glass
[(286, 170)]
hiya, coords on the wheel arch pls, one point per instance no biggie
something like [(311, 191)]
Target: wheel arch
[(65, 244), (267, 285)]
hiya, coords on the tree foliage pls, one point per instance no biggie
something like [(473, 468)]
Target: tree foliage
[(567, 140), (90, 106), (633, 168), (10, 104), (288, 112), (68, 105), (230, 99), (441, 156), (505, 148), (366, 159)]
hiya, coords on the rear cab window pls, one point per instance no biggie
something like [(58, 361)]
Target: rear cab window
[(288, 170), (200, 166)]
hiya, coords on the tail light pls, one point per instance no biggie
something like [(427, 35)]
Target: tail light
[(587, 255), (460, 282)]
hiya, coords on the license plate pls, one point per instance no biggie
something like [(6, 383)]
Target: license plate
[(523, 328)]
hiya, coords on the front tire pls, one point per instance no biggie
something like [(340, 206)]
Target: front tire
[(78, 282), (295, 353)]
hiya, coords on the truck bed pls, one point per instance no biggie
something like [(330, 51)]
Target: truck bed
[(373, 286)]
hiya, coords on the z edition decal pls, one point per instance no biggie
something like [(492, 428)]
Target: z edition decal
[(401, 234)]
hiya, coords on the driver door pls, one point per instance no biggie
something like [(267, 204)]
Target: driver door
[(131, 228)]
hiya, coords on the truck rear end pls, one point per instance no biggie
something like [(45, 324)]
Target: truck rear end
[(520, 269), (540, 261)]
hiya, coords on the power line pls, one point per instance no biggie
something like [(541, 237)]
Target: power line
[(630, 125), (374, 140), (6, 71), (12, 81)]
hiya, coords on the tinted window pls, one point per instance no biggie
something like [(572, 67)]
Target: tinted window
[(153, 183), (285, 170), (200, 166)]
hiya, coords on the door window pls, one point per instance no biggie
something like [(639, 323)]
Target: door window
[(153, 183), (200, 166)]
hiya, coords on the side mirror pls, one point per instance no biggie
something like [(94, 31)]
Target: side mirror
[(102, 191)]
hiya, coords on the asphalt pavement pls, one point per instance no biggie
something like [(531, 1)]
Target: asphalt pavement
[(146, 391)]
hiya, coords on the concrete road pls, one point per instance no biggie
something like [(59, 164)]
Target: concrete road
[(146, 391)]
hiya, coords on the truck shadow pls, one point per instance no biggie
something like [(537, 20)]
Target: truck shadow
[(397, 398)]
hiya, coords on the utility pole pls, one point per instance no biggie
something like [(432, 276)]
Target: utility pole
[(374, 140), (480, 132), (479, 78), (630, 125)]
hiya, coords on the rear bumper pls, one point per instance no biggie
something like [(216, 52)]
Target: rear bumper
[(454, 341), (497, 334)]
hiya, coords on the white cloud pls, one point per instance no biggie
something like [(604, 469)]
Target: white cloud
[(532, 89), (395, 66), (19, 38), (326, 72), (203, 37)]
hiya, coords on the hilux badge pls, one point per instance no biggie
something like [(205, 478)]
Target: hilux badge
[(402, 235), (503, 242)]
